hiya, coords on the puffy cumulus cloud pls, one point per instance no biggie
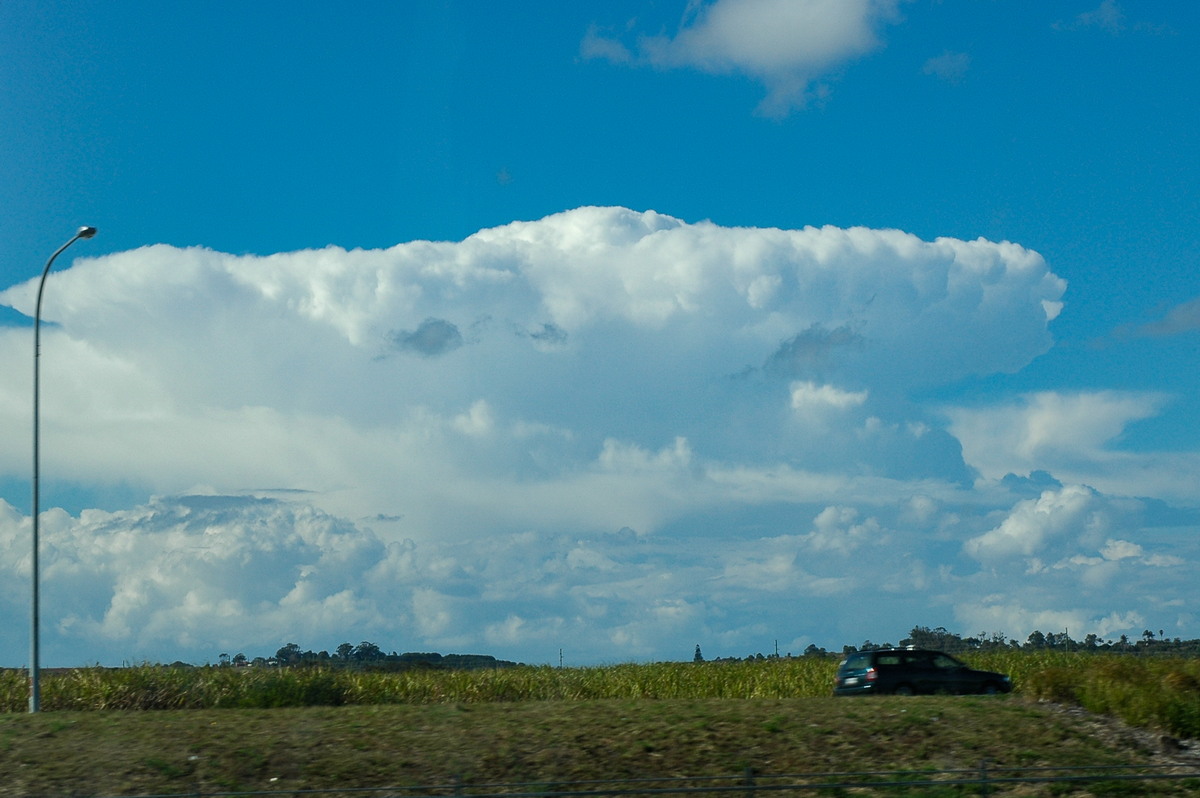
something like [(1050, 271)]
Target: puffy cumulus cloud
[(199, 572), (606, 431), (839, 529), (191, 576), (786, 44), (1072, 525), (1077, 559), (1034, 524)]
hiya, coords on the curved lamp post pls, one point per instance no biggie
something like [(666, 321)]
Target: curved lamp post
[(35, 693)]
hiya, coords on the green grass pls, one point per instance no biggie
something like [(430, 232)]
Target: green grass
[(550, 742)]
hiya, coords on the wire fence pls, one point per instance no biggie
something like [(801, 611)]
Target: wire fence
[(983, 780)]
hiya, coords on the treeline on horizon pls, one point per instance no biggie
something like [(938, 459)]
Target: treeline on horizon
[(365, 656), (369, 656), (951, 643)]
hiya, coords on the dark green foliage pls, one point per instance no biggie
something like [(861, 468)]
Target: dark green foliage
[(366, 656)]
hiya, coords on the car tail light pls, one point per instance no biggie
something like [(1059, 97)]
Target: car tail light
[(871, 675)]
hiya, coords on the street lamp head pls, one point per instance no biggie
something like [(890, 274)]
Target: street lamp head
[(86, 232)]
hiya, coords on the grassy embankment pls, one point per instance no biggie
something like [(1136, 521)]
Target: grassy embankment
[(225, 729)]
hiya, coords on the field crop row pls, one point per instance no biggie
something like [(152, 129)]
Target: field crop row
[(1154, 692)]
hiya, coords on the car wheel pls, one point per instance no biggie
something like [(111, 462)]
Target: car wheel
[(903, 689)]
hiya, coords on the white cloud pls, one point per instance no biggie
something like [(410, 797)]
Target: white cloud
[(810, 397), (787, 44), (1047, 423), (191, 576), (1054, 562), (1034, 523), (286, 371), (839, 529), (1077, 437), (611, 432), (1020, 621), (1120, 550)]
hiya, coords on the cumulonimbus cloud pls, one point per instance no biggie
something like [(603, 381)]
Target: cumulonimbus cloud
[(581, 398), (284, 365)]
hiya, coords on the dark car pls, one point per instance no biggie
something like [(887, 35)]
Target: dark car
[(907, 671)]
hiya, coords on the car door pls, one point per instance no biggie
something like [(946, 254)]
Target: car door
[(952, 674), (934, 672)]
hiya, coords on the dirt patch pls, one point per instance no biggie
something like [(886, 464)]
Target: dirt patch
[(1163, 749)]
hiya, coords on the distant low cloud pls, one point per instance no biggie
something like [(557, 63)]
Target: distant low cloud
[(786, 44)]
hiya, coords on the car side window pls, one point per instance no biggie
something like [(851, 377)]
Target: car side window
[(945, 662), (887, 659)]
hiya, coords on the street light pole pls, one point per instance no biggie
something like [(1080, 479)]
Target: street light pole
[(35, 693)]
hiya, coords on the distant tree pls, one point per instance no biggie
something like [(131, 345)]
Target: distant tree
[(367, 651), (939, 638), (698, 657), (1035, 640), (289, 654), (239, 660), (345, 651), (223, 659)]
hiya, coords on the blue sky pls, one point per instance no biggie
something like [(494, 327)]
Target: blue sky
[(613, 328)]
